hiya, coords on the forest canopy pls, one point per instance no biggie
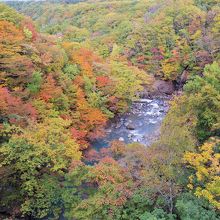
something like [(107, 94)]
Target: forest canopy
[(67, 68)]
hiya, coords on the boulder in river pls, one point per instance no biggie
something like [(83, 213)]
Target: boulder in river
[(154, 105), (130, 126), (109, 130), (118, 125), (121, 139), (130, 136)]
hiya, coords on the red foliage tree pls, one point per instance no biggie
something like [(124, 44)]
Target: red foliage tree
[(50, 89), (14, 109), (28, 24), (103, 81)]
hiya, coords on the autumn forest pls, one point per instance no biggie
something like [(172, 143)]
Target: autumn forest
[(141, 76)]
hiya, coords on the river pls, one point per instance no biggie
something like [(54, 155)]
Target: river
[(140, 124)]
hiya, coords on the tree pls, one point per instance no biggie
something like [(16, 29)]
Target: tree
[(15, 67), (189, 207), (109, 187), (29, 29), (91, 119), (156, 171), (128, 82), (10, 15), (205, 181), (14, 110), (72, 70), (49, 90), (203, 98), (33, 163), (85, 59), (35, 84)]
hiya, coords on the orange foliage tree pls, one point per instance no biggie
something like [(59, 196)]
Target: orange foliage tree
[(14, 67), (85, 59)]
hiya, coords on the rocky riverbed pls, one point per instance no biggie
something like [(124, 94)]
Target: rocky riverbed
[(141, 124)]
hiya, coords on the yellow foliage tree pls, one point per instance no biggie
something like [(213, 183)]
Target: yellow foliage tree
[(206, 180)]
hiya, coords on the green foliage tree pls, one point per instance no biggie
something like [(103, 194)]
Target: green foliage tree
[(35, 84), (190, 207), (204, 93), (33, 163), (71, 70), (9, 14)]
